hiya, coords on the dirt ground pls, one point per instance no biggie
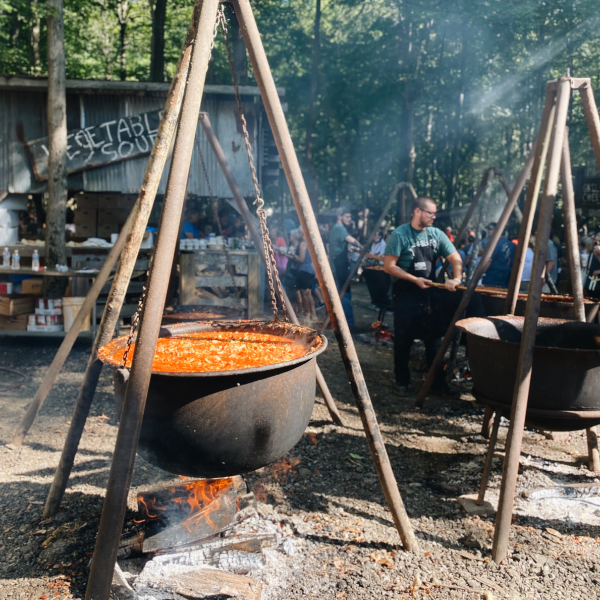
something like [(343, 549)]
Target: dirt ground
[(325, 494)]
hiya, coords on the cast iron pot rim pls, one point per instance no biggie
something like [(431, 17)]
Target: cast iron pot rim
[(463, 325), (230, 325)]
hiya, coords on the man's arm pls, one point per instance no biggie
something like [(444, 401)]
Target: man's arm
[(390, 267), (457, 266), (353, 241)]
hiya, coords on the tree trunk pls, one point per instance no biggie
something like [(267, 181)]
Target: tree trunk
[(157, 58), (312, 110), (35, 37), (123, 16), (56, 217), (238, 49)]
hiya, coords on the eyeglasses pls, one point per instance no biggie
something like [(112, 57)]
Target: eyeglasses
[(431, 213)]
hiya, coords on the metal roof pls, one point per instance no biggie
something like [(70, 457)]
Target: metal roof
[(89, 102)]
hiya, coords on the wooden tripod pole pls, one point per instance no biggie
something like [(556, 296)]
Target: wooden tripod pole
[(316, 248), (368, 243), (121, 470), (116, 296), (531, 198), (532, 310), (255, 235)]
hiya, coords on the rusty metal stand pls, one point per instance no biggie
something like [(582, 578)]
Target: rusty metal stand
[(248, 220), (115, 504), (487, 468)]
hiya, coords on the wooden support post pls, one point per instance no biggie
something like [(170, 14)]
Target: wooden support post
[(533, 191), (479, 271), (319, 257), (121, 470), (110, 317), (590, 110), (487, 467), (532, 310), (255, 235)]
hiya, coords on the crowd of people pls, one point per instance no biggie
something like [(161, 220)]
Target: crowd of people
[(404, 261)]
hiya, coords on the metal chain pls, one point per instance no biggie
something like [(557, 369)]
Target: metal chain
[(135, 320), (214, 200), (271, 266)]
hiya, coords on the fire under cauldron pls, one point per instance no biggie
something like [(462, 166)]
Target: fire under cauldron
[(553, 307), (565, 382), (224, 423)]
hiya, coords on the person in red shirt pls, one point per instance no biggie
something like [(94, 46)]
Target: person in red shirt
[(448, 232)]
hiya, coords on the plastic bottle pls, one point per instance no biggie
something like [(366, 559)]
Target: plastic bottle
[(35, 261), (6, 258), (16, 261)]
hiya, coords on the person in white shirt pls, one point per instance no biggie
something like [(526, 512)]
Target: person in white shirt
[(378, 246), (526, 278)]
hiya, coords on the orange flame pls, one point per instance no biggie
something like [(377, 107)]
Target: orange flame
[(199, 499)]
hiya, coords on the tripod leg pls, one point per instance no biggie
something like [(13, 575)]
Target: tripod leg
[(121, 470), (532, 311), (299, 193), (486, 426), (487, 468)]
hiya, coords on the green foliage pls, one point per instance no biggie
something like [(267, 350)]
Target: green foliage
[(469, 77)]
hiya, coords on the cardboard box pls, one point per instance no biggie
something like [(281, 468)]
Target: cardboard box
[(87, 201), (32, 286), (16, 304), (86, 231), (16, 323), (108, 217), (105, 231)]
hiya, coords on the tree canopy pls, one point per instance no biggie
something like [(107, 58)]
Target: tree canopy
[(432, 91)]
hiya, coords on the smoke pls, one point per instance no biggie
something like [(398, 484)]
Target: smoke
[(511, 86)]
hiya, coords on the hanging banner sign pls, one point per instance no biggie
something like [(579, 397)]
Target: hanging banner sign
[(98, 145)]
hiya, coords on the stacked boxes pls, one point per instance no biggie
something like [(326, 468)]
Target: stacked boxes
[(14, 310), (48, 316), (100, 215)]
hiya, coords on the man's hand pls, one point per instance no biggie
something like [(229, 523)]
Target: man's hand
[(452, 284), (422, 282)]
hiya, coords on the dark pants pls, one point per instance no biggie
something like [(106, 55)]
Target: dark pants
[(415, 317), (341, 270)]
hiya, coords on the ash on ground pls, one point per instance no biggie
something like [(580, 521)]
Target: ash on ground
[(324, 495)]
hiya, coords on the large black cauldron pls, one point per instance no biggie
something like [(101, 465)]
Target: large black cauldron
[(565, 382), (223, 423)]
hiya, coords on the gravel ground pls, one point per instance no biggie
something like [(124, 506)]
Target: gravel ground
[(324, 495)]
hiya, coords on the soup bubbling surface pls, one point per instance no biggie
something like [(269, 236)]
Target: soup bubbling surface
[(205, 351)]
